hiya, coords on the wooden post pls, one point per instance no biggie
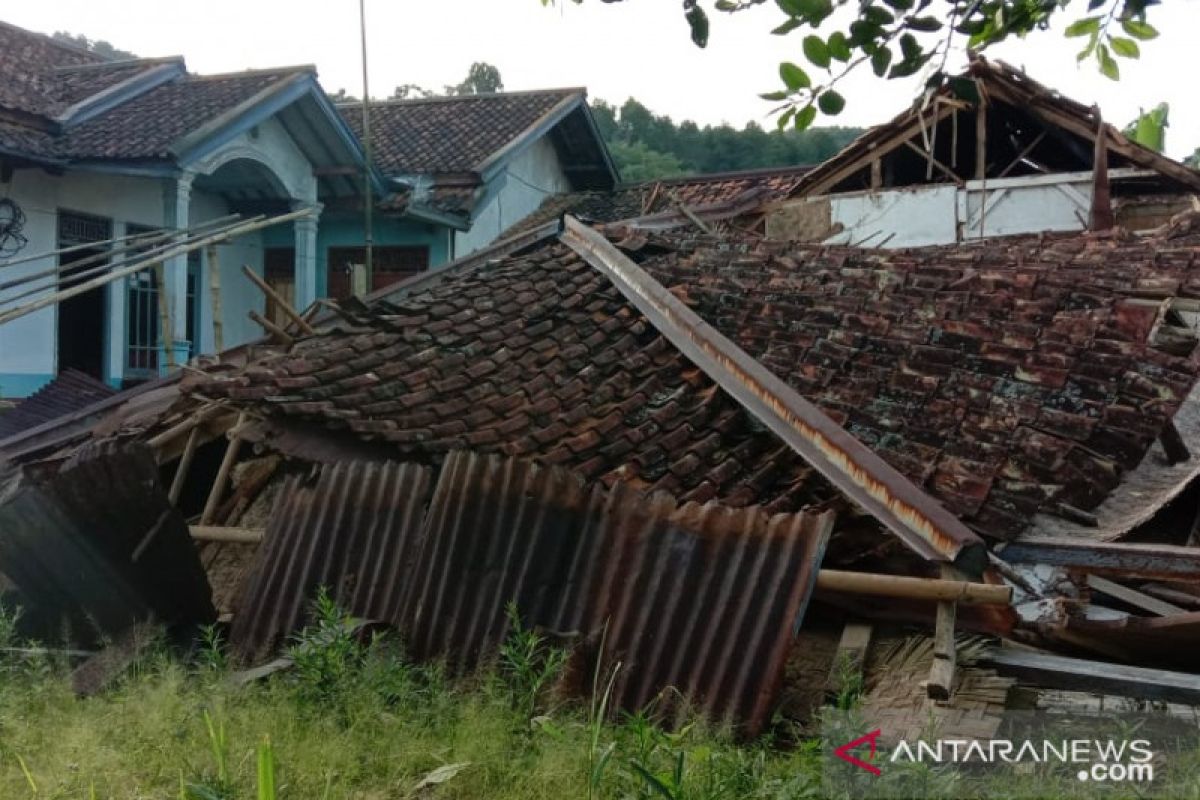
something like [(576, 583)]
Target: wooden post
[(284, 306), (209, 533), (941, 674), (980, 140), (877, 173), (851, 654), (185, 464), (214, 287), (218, 487)]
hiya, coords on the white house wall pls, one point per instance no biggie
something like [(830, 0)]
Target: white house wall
[(527, 180), (899, 218)]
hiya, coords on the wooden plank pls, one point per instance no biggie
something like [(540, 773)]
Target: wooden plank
[(941, 674), (933, 162), (276, 332), (185, 465), (1061, 672), (981, 140), (851, 654), (876, 585), (1133, 597), (1172, 442)]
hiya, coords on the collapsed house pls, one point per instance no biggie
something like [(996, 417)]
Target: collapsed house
[(710, 462), (669, 448)]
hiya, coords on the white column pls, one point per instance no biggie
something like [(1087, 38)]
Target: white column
[(118, 322), (177, 198), (306, 255)]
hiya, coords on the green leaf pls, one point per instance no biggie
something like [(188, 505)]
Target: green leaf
[(1108, 64), (776, 97), (793, 77), (839, 47), (787, 27), (878, 16), (725, 5), (792, 8), (1139, 29), (1082, 27), (785, 118), (965, 89), (900, 5), (926, 24), (805, 117), (831, 103), (1126, 48), (1091, 47), (653, 781), (698, 22), (816, 51), (880, 61), (909, 47)]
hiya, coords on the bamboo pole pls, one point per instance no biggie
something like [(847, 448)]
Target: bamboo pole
[(284, 305), (77, 276), (214, 286), (216, 238), (901, 586), (218, 487), (166, 329), (213, 533), (62, 251)]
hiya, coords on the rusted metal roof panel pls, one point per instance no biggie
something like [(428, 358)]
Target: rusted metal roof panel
[(96, 548), (705, 599), (915, 517), (352, 528)]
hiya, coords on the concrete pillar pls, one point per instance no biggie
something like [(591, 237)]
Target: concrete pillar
[(177, 198), (116, 337), (306, 254)]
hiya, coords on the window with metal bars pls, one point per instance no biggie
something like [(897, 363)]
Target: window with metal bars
[(143, 314)]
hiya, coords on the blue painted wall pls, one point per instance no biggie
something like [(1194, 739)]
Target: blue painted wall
[(346, 230)]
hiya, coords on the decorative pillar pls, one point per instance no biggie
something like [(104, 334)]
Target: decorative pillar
[(306, 255), (177, 198)]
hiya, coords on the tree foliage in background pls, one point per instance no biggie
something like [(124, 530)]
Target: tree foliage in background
[(1150, 128), (900, 38), (648, 146), (97, 46)]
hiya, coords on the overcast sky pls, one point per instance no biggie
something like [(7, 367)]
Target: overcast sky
[(637, 48)]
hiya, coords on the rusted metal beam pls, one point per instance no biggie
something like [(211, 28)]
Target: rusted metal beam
[(1161, 561), (916, 518)]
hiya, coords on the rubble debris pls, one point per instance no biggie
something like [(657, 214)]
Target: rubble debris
[(1060, 672), (68, 541)]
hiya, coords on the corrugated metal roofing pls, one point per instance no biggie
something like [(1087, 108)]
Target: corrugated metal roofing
[(704, 599), (353, 529), (97, 547)]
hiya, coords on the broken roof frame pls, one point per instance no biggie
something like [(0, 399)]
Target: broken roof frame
[(911, 514)]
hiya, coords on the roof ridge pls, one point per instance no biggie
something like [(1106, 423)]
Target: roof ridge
[(245, 73), (709, 177), (125, 62), (566, 90)]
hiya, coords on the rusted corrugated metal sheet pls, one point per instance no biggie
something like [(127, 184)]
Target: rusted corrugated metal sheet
[(97, 547), (352, 528), (915, 517), (703, 599)]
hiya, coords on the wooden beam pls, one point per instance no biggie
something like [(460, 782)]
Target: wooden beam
[(877, 173), (1077, 674), (1172, 442), (278, 333), (1133, 597), (212, 533), (941, 674), (980, 141), (1157, 561), (878, 585), (851, 654), (1026, 150), (274, 295), (185, 465), (932, 161)]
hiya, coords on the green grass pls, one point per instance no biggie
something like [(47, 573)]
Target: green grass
[(355, 721)]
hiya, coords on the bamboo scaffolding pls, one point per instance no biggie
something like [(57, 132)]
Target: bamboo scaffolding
[(75, 248), (216, 238)]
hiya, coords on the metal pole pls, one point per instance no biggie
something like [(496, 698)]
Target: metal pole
[(366, 124)]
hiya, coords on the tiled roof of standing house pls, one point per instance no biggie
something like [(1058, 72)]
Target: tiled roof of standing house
[(635, 200), (445, 144), (28, 64), (146, 126), (1003, 378)]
